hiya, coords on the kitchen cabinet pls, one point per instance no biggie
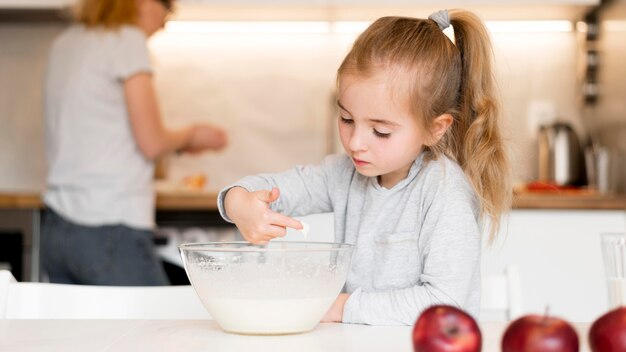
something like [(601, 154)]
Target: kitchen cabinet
[(367, 10), (20, 213), (61, 3), (19, 230), (389, 2), (35, 4), (466, 2), (559, 259)]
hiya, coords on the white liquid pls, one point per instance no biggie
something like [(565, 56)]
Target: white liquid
[(268, 316), (617, 292)]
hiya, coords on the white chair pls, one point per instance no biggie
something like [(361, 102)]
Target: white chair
[(501, 296), (34, 300)]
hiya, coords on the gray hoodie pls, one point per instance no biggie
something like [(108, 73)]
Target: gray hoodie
[(416, 244)]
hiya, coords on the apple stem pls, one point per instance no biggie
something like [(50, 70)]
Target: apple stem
[(545, 316)]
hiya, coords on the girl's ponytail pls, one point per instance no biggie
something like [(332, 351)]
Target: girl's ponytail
[(475, 138), (445, 78)]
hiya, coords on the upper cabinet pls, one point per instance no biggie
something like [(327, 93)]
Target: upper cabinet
[(336, 10), (35, 4), (346, 10), (36, 10), (456, 3), (43, 4)]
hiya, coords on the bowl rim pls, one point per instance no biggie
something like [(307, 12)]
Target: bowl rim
[(206, 247)]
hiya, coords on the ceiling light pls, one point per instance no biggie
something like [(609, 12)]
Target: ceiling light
[(258, 27), (529, 26), (342, 27)]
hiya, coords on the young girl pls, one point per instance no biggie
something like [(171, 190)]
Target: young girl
[(423, 165)]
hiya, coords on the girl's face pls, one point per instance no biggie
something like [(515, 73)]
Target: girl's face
[(377, 131), (151, 15)]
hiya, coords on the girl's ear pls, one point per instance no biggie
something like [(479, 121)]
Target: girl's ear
[(439, 127)]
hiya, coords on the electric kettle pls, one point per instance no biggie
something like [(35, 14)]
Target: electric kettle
[(560, 155)]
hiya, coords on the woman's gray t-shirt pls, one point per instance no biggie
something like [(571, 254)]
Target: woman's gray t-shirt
[(96, 173)]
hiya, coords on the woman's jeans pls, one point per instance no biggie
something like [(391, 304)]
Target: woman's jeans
[(115, 255)]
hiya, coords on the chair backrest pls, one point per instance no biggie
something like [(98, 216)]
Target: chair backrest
[(33, 300), (501, 296)]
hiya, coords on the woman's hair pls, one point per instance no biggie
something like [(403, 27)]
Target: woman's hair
[(110, 13), (441, 77), (106, 13)]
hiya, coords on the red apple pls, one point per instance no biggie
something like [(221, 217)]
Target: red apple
[(445, 328), (608, 333), (536, 333)]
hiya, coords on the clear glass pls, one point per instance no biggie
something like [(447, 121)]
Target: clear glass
[(279, 288), (614, 257)]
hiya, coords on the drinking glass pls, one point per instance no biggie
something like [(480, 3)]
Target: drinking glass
[(614, 257)]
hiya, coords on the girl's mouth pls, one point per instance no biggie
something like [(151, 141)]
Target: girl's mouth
[(359, 162)]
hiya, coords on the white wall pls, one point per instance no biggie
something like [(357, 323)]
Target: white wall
[(23, 51), (272, 92), (301, 69)]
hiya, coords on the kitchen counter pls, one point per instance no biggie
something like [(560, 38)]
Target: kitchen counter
[(205, 335), (21, 212), (207, 201), (569, 201), (185, 208), (165, 200)]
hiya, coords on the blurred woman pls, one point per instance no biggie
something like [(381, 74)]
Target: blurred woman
[(104, 131)]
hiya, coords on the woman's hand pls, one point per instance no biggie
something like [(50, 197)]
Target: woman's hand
[(335, 313), (152, 137), (205, 137), (251, 212)]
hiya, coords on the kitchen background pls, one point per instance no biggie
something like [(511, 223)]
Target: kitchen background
[(274, 91)]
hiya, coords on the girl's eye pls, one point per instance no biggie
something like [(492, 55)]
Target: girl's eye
[(346, 121), (381, 135)]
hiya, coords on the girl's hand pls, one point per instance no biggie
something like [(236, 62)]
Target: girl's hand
[(251, 212), (335, 313)]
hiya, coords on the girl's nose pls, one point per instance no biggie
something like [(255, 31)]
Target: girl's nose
[(357, 142)]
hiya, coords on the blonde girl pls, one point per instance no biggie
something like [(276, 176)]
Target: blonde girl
[(424, 165)]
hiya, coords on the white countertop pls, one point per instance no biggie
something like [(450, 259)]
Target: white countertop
[(205, 335)]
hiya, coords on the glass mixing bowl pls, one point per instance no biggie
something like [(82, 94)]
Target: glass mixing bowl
[(279, 288)]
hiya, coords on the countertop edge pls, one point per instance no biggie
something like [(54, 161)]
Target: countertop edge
[(207, 201)]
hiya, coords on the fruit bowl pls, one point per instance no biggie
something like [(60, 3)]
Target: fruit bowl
[(279, 288)]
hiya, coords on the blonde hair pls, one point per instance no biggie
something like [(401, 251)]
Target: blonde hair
[(446, 78), (106, 13)]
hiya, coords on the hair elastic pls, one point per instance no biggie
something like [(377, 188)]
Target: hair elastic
[(442, 18)]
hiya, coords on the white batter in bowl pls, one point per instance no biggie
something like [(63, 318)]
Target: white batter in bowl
[(278, 288)]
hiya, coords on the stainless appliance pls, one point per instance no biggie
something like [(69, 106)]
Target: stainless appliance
[(560, 155)]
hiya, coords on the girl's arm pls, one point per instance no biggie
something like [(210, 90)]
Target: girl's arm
[(303, 190)]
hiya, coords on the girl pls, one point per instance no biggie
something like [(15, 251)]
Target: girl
[(423, 165), (103, 131)]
